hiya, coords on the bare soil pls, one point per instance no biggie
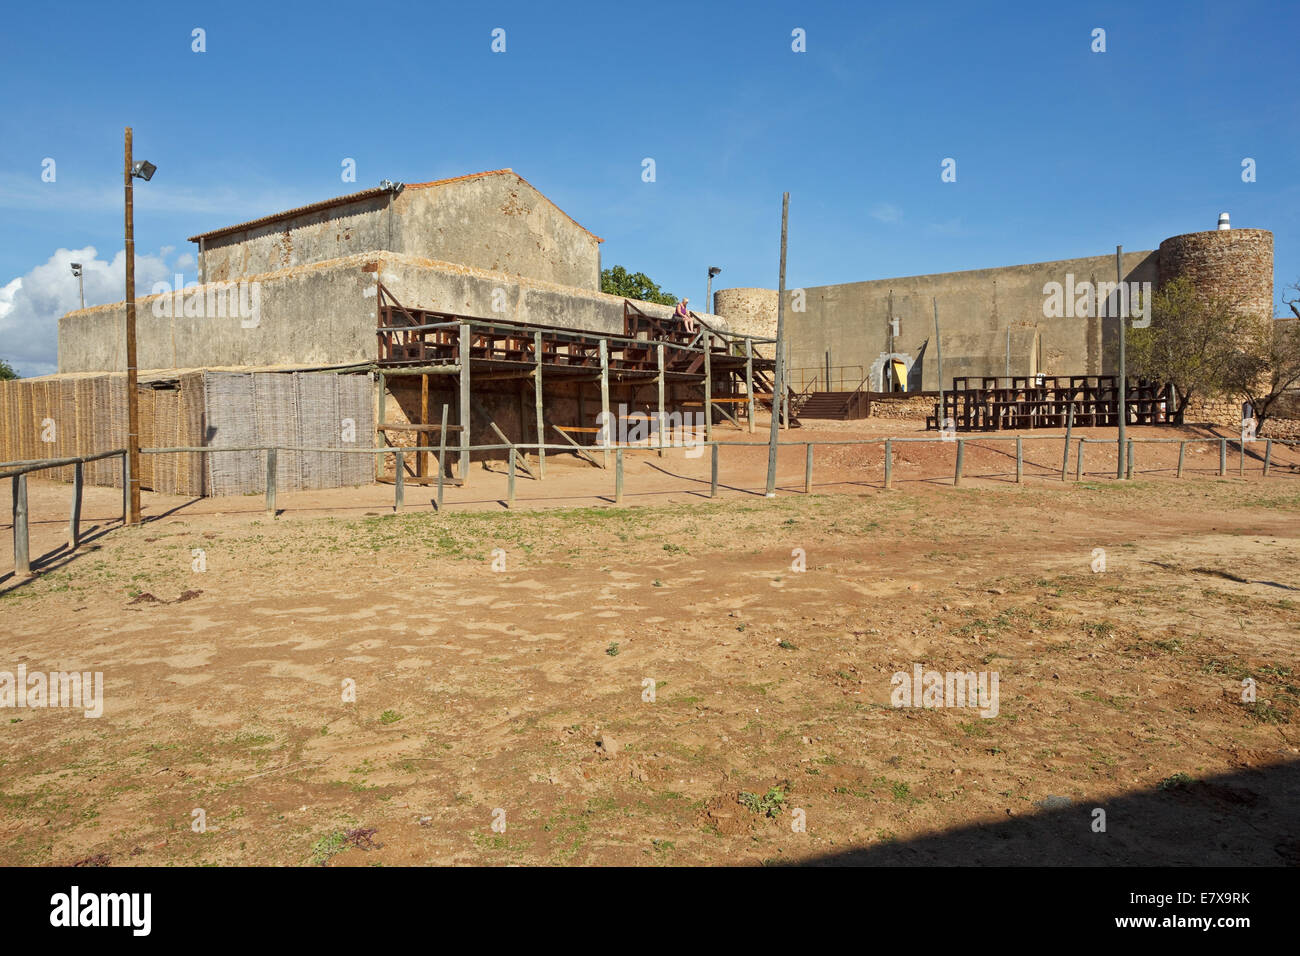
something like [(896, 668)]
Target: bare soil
[(501, 661)]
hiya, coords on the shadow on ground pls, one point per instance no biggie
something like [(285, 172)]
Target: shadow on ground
[(1247, 818)]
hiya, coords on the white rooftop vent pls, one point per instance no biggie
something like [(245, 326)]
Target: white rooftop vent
[(1223, 221)]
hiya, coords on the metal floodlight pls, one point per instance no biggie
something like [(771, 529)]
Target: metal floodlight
[(713, 270), (76, 268), (143, 170)]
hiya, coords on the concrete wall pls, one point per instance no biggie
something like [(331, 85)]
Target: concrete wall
[(332, 233), (495, 221), (977, 311), (499, 223), (324, 314)]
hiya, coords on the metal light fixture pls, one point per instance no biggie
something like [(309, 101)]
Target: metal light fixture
[(708, 289), (143, 170), (81, 287)]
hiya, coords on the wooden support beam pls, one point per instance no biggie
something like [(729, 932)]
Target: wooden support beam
[(749, 380), (537, 402), (708, 385), (442, 453), (582, 452), (660, 380), (604, 396), (478, 407), (465, 410), (380, 437), (422, 458)]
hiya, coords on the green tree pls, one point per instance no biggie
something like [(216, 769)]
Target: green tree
[(633, 285), (1267, 366), (7, 372), (1191, 343)]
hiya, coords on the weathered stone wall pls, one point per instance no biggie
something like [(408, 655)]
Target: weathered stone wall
[(748, 311), (324, 314), (1236, 264), (494, 221), (912, 408), (981, 313)]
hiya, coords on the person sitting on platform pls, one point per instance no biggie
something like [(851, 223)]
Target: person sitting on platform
[(683, 312)]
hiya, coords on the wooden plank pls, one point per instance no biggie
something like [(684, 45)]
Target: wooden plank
[(578, 448)]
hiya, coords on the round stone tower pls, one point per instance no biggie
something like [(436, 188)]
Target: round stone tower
[(747, 311), (1236, 264)]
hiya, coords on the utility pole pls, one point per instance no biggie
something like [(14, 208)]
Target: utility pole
[(132, 400), (141, 170), (1123, 368), (778, 379)]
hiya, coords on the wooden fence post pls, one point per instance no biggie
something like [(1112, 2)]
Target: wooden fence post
[(889, 463), (713, 471), (618, 474), (270, 482), (74, 518), (961, 460), (399, 481), (22, 553), (807, 467)]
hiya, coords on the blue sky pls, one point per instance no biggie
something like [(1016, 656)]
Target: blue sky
[(1060, 151)]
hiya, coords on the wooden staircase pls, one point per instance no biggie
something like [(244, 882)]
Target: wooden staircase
[(838, 406)]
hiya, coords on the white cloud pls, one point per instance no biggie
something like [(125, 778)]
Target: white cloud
[(887, 212), (30, 306)]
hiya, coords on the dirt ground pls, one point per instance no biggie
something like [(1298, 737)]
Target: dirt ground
[(661, 682)]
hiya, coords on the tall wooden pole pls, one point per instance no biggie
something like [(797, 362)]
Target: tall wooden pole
[(132, 399), (938, 354), (1123, 369), (778, 381)]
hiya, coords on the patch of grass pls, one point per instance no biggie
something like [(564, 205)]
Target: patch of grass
[(1174, 782), (769, 804), (326, 847), (612, 650), (389, 717)]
